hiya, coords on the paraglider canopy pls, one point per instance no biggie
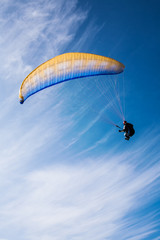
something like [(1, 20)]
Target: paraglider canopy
[(66, 67)]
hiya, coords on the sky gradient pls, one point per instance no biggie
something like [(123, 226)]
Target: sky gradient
[(65, 172)]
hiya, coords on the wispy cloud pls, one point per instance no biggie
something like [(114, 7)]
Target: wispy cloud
[(32, 32), (97, 199)]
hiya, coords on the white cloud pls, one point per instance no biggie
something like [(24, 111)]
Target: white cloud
[(88, 200), (32, 32)]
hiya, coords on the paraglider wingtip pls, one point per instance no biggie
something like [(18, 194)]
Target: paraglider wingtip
[(21, 100)]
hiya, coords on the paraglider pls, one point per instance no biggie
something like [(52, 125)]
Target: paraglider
[(66, 67), (128, 130), (70, 66)]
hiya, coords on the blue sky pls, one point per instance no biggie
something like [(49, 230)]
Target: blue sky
[(65, 173)]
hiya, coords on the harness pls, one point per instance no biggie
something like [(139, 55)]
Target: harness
[(129, 129)]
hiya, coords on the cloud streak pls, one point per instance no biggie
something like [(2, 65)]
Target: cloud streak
[(97, 199)]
